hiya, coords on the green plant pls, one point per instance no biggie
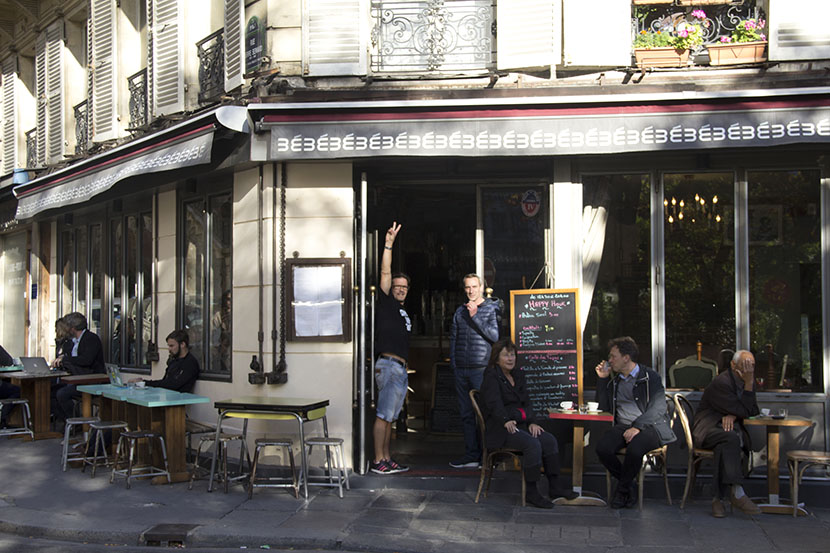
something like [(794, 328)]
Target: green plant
[(684, 34), (748, 30), (688, 35), (653, 39)]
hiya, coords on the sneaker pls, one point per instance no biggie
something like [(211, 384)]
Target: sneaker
[(396, 467), (466, 464), (380, 468)]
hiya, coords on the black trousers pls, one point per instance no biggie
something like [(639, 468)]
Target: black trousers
[(728, 448), (537, 452), (612, 441), (8, 391)]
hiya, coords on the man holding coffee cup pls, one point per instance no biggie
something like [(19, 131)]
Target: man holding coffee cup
[(726, 402), (635, 395)]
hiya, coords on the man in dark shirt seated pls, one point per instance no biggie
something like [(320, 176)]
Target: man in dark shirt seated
[(182, 367), (85, 357)]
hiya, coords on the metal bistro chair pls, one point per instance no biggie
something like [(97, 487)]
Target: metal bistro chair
[(26, 415), (655, 457), (686, 413), (798, 461), (489, 458)]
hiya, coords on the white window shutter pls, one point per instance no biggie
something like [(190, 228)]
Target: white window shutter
[(596, 33), (9, 132), (335, 37), (797, 30), (104, 70), (40, 92), (55, 92), (234, 44), (527, 34), (168, 57)]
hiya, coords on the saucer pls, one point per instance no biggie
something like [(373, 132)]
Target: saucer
[(567, 410), (594, 412)]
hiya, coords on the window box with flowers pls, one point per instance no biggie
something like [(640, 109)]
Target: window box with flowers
[(669, 47), (747, 44)]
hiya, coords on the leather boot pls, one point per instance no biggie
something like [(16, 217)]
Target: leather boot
[(555, 490), (532, 496)]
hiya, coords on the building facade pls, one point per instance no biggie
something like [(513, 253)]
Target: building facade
[(187, 164)]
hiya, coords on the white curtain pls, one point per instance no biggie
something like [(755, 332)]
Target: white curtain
[(594, 222)]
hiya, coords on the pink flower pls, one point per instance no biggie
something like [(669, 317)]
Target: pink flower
[(763, 36), (761, 23), (699, 14), (726, 39), (749, 24), (683, 33)]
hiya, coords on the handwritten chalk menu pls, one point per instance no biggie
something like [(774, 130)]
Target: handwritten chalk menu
[(545, 328)]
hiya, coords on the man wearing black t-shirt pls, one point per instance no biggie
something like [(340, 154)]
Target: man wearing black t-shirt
[(391, 352), (182, 367)]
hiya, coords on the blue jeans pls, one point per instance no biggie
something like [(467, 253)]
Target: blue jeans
[(392, 381), (466, 380)]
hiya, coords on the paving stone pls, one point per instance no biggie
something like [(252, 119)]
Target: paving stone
[(473, 512), (659, 533), (384, 517), (400, 500)]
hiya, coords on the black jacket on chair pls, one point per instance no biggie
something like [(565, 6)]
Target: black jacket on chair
[(724, 396), (503, 402), (90, 358)]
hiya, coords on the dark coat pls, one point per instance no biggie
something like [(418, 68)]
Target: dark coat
[(503, 402), (721, 398), (180, 376), (650, 396), (90, 358), (472, 337)]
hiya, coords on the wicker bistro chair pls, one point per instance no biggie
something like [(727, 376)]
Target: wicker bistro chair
[(656, 457), (489, 458), (686, 412), (798, 461)]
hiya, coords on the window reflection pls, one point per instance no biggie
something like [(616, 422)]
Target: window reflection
[(700, 267), (784, 235), (616, 265), (194, 266)]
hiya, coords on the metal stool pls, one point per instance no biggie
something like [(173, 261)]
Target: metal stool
[(192, 428), (132, 438), (274, 481), (27, 417), (71, 422), (99, 446), (342, 474), (222, 451)]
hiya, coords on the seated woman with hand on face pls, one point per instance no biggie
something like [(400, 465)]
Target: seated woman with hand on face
[(510, 422)]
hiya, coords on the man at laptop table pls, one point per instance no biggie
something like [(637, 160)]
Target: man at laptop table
[(182, 367), (86, 357)]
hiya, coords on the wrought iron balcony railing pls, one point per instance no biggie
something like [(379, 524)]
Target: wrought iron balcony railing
[(31, 148), (81, 128), (432, 35), (211, 50), (137, 85)]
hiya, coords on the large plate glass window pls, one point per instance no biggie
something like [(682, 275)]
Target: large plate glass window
[(616, 265), (206, 287), (82, 274), (784, 237), (14, 268)]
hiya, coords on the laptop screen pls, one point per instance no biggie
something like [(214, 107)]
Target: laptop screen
[(35, 364), (114, 373)]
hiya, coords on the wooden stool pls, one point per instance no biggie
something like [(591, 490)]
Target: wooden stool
[(798, 461), (131, 438), (27, 417), (342, 473), (99, 446), (71, 422), (274, 481)]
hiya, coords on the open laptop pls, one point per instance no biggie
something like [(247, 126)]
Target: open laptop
[(35, 365), (114, 374)]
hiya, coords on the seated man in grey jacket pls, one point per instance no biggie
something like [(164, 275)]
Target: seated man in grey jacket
[(635, 395), (474, 329)]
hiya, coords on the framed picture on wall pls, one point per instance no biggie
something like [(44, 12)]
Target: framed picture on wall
[(318, 297)]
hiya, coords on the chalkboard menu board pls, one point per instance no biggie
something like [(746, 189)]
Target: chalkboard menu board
[(545, 327)]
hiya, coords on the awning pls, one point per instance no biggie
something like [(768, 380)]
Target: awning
[(183, 145), (542, 126)]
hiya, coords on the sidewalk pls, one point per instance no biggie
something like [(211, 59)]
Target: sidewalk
[(39, 500)]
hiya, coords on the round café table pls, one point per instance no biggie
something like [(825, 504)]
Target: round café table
[(774, 504)]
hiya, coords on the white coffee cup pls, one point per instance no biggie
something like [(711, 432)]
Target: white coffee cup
[(140, 383), (567, 405), (593, 406), (765, 412)]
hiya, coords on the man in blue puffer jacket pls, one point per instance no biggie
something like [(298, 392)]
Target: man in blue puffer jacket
[(474, 329)]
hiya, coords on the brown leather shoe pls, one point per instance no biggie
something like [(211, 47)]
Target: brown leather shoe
[(745, 504), (718, 510)]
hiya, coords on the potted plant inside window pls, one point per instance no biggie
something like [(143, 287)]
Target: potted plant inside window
[(747, 44), (669, 46)]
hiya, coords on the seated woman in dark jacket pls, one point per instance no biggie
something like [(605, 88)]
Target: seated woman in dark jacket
[(510, 422)]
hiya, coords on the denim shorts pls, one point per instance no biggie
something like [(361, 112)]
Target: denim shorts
[(392, 381)]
